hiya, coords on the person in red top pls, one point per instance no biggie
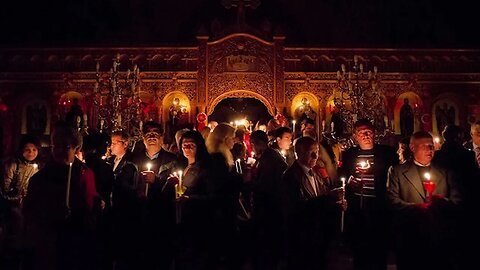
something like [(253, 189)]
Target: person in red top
[(59, 207)]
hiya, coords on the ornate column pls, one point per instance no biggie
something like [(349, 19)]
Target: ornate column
[(279, 90)]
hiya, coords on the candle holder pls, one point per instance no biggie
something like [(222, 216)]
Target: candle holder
[(116, 98)]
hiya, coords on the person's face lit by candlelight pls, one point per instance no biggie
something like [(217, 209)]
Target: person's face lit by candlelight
[(285, 141), (189, 149), (364, 136), (30, 152), (423, 150), (307, 152), (118, 146)]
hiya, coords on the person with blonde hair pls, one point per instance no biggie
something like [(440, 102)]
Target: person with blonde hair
[(206, 132), (224, 191), (221, 141)]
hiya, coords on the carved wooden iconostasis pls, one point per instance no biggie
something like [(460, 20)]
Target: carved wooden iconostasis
[(178, 83)]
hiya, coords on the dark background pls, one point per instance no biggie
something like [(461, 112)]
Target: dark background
[(327, 23)]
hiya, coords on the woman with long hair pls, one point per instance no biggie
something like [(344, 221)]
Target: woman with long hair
[(194, 207), (225, 192)]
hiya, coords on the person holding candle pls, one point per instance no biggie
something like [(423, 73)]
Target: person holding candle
[(367, 219), (422, 232), (17, 175), (310, 208), (58, 226), (194, 204), (158, 198)]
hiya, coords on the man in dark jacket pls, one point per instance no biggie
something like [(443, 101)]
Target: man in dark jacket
[(310, 206), (155, 165), (367, 219)]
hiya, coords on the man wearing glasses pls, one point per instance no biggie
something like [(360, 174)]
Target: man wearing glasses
[(367, 223)]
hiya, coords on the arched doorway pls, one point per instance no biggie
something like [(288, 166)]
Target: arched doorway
[(235, 109)]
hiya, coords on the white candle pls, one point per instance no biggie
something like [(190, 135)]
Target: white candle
[(293, 125), (180, 179), (323, 124), (149, 167), (67, 196), (343, 182), (332, 125)]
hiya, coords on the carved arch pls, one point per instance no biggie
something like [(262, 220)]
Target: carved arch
[(240, 94)]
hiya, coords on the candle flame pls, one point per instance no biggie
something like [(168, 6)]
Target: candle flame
[(437, 140), (35, 165), (149, 166), (427, 176)]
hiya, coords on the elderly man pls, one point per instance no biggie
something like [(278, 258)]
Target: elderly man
[(310, 206), (423, 197)]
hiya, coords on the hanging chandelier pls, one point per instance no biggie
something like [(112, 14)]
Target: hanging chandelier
[(117, 100), (358, 96)]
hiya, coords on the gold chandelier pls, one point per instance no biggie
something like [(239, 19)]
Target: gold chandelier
[(116, 99), (358, 96)]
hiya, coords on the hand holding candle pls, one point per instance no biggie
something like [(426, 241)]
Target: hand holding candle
[(148, 177)]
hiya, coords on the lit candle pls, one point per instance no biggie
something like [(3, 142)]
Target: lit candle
[(284, 153), (35, 166), (429, 186), (323, 124), (252, 154), (69, 178), (437, 140), (180, 180), (293, 125), (147, 185), (332, 125)]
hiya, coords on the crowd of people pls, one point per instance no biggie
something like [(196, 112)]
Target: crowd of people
[(225, 198)]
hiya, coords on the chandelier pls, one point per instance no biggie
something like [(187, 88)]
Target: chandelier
[(116, 99), (358, 96)]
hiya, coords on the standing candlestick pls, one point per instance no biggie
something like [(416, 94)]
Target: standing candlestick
[(69, 178)]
